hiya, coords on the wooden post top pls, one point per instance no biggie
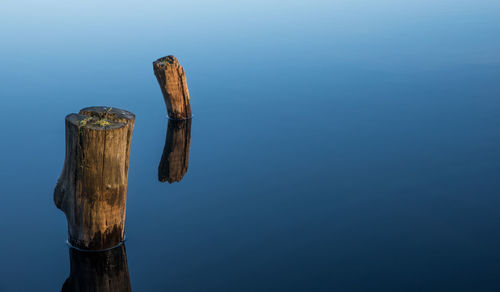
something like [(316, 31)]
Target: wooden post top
[(166, 61), (101, 118)]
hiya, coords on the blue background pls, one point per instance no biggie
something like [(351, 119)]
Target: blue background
[(336, 145)]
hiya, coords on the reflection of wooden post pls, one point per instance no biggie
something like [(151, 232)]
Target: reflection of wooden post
[(172, 81), (175, 159), (92, 188), (105, 271)]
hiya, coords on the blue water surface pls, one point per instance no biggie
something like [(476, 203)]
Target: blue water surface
[(335, 145)]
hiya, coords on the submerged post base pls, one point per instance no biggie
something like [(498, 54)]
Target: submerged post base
[(175, 158), (105, 271)]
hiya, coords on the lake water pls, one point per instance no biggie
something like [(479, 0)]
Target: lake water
[(335, 145)]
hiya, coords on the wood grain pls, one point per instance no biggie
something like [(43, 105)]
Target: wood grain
[(92, 188), (172, 80)]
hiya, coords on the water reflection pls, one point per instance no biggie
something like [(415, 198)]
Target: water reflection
[(175, 158), (98, 271)]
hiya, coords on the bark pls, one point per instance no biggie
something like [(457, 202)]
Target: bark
[(105, 271), (175, 158), (92, 188), (172, 81)]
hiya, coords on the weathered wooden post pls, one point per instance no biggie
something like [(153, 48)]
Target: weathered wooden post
[(92, 188), (175, 158), (172, 81), (105, 271)]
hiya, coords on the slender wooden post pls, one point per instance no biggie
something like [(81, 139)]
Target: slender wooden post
[(92, 188), (172, 81), (105, 271), (175, 158)]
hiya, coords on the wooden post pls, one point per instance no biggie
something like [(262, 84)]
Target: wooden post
[(92, 188), (175, 159), (172, 81), (105, 271)]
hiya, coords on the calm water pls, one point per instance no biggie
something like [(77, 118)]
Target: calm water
[(335, 145)]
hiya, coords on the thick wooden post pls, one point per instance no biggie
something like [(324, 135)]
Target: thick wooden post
[(92, 188), (175, 159), (105, 271), (172, 81)]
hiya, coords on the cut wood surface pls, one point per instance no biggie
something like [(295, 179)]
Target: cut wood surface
[(172, 81), (175, 158), (92, 188), (105, 271)]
